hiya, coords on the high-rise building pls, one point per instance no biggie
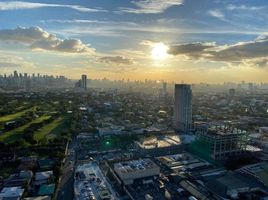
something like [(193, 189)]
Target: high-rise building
[(221, 142), (16, 75), (81, 85), (27, 85), (250, 86), (182, 120), (232, 92), (84, 81), (164, 88)]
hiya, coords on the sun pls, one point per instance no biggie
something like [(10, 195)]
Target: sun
[(159, 51)]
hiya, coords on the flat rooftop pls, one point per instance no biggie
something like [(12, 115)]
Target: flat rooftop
[(224, 131), (135, 165), (159, 142)]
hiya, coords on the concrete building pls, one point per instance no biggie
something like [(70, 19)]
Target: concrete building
[(259, 171), (81, 85), (182, 120), (232, 92), (233, 185), (222, 142), (163, 90), (90, 183), (135, 169), (43, 177), (160, 145), (84, 81)]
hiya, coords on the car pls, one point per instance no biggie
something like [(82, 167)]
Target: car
[(192, 198), (180, 190)]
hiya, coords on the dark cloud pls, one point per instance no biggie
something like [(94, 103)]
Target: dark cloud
[(37, 38), (119, 60), (238, 52), (243, 50), (194, 50)]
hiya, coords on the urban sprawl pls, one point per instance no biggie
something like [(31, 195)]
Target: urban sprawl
[(101, 139)]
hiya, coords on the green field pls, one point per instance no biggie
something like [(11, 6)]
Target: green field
[(15, 134), (15, 115), (48, 129)]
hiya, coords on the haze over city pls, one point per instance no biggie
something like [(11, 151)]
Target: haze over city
[(195, 41), (133, 100)]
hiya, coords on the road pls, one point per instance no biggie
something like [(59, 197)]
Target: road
[(65, 191)]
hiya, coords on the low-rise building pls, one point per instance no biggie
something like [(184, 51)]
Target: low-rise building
[(128, 171), (160, 145), (258, 171), (233, 185), (111, 130), (11, 193), (43, 177), (46, 189)]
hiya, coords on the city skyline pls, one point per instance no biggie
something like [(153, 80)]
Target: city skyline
[(209, 41)]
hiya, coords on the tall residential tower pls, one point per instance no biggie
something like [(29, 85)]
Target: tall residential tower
[(84, 82), (182, 119)]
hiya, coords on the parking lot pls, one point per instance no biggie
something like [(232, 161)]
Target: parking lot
[(91, 184)]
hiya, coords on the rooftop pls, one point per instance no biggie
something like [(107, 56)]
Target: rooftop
[(46, 189), (11, 192), (38, 198), (159, 142), (135, 165), (43, 175)]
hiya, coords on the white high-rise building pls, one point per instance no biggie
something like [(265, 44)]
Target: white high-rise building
[(182, 119)]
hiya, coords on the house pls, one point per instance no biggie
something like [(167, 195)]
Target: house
[(46, 189), (19, 179), (46, 164), (11, 193), (43, 177)]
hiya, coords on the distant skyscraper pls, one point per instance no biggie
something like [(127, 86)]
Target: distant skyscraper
[(81, 85), (84, 81), (165, 88), (16, 74), (28, 85), (232, 92), (250, 86), (183, 108)]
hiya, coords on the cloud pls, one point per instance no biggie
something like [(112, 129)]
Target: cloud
[(9, 65), (12, 61), (118, 60), (242, 50), (193, 50), (244, 7), (38, 39), (147, 43), (216, 13), (22, 5), (257, 62), (251, 52), (151, 6)]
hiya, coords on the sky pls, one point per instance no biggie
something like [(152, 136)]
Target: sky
[(195, 41)]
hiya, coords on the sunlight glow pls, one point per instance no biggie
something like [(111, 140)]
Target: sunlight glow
[(159, 51)]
